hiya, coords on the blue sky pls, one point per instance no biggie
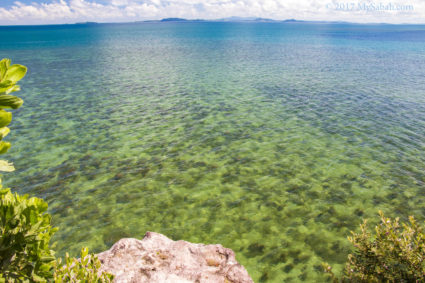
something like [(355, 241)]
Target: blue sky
[(14, 12)]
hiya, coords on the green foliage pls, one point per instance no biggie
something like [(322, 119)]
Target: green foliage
[(24, 244), (10, 101), (5, 118), (395, 253), (9, 76), (87, 269), (25, 236)]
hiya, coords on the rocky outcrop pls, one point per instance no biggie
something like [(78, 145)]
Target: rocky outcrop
[(157, 258)]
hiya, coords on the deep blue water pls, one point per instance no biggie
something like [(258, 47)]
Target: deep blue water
[(273, 139)]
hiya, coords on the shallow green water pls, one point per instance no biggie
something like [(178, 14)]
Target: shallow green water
[(274, 140)]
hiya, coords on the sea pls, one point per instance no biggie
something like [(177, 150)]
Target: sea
[(273, 139)]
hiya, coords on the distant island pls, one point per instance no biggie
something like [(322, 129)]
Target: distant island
[(242, 20), (87, 23), (246, 19), (172, 20), (229, 19)]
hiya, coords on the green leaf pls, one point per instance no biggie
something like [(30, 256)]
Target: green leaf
[(10, 101), (4, 132), (47, 258), (4, 65), (84, 252), (6, 84), (15, 73), (4, 147), (37, 278), (5, 118)]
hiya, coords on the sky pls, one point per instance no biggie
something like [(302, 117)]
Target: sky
[(25, 12)]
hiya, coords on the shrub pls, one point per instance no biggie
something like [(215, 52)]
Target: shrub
[(25, 236), (87, 269), (395, 253)]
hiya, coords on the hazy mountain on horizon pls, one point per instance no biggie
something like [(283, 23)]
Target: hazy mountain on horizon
[(245, 19), (228, 19)]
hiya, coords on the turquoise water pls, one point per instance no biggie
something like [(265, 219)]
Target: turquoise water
[(272, 139)]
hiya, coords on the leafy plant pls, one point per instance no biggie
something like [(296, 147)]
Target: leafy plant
[(9, 76), (395, 253), (86, 269), (25, 236)]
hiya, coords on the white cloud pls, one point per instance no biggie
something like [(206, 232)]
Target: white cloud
[(69, 11)]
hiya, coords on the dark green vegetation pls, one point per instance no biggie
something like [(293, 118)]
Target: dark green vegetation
[(9, 76), (83, 270), (395, 253), (25, 254), (25, 236)]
